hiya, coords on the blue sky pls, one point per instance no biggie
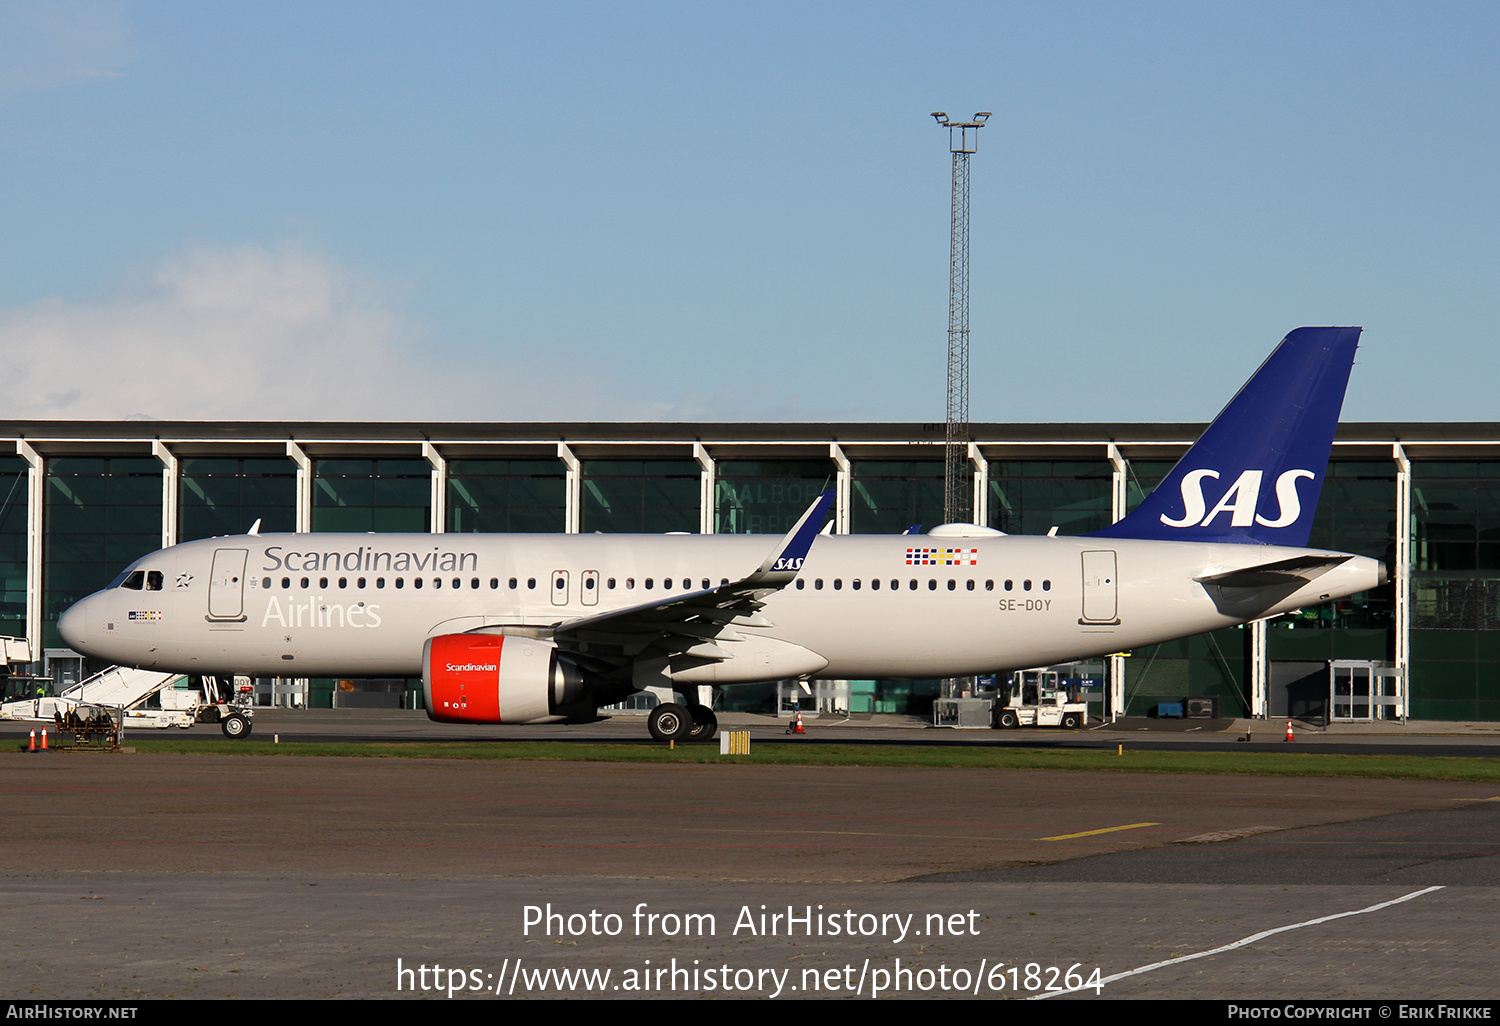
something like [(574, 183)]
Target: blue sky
[(639, 211)]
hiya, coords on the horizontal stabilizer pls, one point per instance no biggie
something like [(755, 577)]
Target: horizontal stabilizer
[(1296, 571)]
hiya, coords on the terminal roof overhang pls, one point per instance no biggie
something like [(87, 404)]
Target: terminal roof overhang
[(1451, 440)]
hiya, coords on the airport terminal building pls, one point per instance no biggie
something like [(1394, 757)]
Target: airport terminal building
[(85, 498)]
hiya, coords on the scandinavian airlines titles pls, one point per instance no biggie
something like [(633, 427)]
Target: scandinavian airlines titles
[(314, 613), (1240, 501)]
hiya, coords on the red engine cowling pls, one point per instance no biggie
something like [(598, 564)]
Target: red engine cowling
[(492, 678)]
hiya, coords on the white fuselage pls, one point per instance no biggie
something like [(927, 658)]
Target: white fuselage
[(362, 605)]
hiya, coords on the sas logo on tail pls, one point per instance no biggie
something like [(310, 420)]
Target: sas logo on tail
[(1240, 501)]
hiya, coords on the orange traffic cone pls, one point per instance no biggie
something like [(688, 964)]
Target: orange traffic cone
[(1289, 735), (33, 742), (797, 727), (44, 739)]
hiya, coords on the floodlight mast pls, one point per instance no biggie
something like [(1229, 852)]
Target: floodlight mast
[(963, 140)]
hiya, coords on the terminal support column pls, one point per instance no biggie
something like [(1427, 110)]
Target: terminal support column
[(1118, 506), (706, 516), (1260, 671), (706, 525), (169, 489), (439, 466), (298, 455), (981, 505), (1402, 574), (35, 495), (841, 495), (573, 511), (304, 486)]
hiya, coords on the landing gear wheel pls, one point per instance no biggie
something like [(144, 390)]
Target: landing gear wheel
[(1007, 720), (235, 726), (670, 722), (1070, 721), (705, 723)]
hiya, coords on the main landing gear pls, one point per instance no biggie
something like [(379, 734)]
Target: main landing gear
[(672, 722)]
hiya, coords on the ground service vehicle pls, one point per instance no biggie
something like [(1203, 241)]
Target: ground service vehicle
[(1040, 698)]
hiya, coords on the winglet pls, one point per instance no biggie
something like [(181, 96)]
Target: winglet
[(784, 563)]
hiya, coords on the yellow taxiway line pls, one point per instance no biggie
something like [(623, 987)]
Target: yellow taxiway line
[(1091, 833)]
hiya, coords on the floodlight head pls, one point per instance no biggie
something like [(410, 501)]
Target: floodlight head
[(942, 117), (982, 116)]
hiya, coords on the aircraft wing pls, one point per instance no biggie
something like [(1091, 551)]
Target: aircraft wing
[(691, 624), (1298, 571)]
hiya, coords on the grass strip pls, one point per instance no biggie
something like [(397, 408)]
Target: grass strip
[(1261, 764)]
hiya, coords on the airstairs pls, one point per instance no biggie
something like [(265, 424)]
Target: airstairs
[(119, 687)]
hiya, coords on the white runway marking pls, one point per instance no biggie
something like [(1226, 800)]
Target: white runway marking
[(1241, 943)]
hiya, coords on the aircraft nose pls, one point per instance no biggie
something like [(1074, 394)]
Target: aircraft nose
[(73, 626)]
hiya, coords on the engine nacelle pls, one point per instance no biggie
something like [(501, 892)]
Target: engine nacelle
[(492, 678)]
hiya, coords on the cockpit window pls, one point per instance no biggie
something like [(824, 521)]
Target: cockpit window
[(134, 581), (153, 580)]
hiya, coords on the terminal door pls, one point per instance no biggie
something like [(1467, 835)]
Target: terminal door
[(1363, 691)]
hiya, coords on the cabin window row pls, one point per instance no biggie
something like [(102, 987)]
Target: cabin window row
[(380, 582), (913, 584), (152, 581), (514, 583)]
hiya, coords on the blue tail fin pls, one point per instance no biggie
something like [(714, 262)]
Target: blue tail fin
[(1254, 476)]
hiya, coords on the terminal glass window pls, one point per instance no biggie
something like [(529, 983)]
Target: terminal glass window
[(504, 496), (766, 496), (1033, 496), (372, 495), (1356, 513), (1456, 517), (218, 497), (101, 515), (889, 496), (641, 496), (1141, 479), (13, 526), (1212, 665), (1455, 638)]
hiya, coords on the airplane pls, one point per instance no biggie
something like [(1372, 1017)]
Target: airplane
[(545, 628)]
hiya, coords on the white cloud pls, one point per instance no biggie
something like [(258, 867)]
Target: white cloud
[(249, 334), (49, 43), (243, 334)]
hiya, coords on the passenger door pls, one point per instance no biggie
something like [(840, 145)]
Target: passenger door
[(226, 585)]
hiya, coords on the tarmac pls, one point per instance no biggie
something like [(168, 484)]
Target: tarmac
[(1415, 737), (216, 876)]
